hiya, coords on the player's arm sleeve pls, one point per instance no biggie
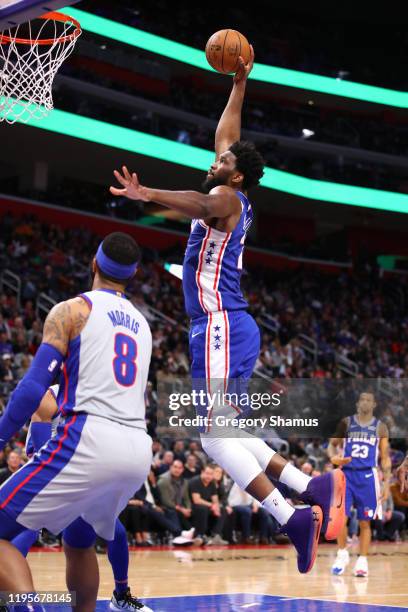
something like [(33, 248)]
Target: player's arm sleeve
[(40, 434), (28, 394)]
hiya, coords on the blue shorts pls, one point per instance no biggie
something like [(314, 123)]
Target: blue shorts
[(363, 493), (224, 347)]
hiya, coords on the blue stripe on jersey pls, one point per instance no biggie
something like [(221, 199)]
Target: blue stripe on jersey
[(18, 491), (69, 379), (212, 266), (361, 444)]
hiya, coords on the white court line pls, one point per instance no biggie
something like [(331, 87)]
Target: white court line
[(283, 598)]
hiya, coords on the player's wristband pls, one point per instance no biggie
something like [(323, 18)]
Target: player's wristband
[(28, 394)]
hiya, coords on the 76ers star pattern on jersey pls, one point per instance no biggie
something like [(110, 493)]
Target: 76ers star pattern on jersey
[(212, 266)]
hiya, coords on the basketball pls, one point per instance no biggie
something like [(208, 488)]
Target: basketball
[(224, 48)]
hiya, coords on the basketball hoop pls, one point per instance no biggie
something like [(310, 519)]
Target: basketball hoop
[(30, 56)]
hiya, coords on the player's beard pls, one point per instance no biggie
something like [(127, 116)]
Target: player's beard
[(211, 182)]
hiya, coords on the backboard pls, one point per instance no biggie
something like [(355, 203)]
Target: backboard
[(14, 12)]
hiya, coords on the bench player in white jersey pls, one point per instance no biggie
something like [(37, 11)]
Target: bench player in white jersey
[(83, 477), (43, 426), (224, 338)]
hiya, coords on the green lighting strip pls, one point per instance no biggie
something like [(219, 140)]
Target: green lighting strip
[(125, 139), (261, 72)]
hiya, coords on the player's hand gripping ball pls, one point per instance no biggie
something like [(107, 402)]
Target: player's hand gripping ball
[(224, 48)]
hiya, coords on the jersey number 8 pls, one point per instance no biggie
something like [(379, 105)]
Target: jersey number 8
[(124, 363)]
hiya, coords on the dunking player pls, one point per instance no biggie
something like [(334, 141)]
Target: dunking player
[(359, 439), (224, 338), (83, 477), (43, 426)]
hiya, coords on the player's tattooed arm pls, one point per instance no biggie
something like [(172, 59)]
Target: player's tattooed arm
[(80, 314), (64, 322), (229, 126), (57, 327)]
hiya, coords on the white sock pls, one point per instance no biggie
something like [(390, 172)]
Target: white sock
[(277, 505), (294, 478)]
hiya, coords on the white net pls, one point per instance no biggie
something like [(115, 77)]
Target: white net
[(30, 56)]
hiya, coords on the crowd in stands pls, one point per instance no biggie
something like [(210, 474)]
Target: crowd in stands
[(358, 315)]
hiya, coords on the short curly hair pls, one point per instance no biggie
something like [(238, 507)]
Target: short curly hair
[(249, 161), (122, 249)]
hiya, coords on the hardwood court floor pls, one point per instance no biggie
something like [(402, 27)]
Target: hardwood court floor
[(259, 570)]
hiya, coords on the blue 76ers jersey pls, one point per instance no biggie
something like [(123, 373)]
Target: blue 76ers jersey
[(212, 266), (362, 444)]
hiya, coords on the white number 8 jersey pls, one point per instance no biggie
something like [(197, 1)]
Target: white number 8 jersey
[(107, 365)]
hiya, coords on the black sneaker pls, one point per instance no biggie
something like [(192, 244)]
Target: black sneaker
[(126, 601)]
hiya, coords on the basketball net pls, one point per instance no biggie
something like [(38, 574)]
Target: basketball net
[(28, 65)]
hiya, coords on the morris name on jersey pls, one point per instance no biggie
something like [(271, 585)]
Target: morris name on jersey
[(123, 320)]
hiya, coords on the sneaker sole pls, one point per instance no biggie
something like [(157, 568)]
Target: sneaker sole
[(317, 525), (337, 514)]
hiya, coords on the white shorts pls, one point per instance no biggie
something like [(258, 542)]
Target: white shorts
[(90, 469)]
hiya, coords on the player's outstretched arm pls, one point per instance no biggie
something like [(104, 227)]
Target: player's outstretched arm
[(64, 322), (221, 202), (229, 126)]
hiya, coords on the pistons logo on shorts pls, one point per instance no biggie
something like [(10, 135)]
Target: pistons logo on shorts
[(368, 512)]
